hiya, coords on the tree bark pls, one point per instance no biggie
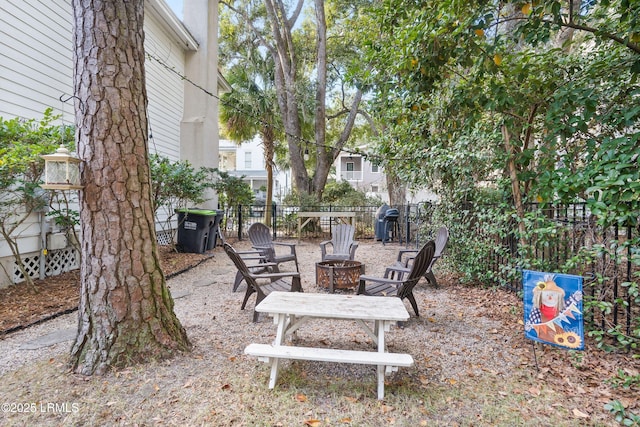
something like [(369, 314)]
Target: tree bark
[(515, 183), (126, 312), (396, 189), (284, 57), (268, 142), (286, 81), (321, 109)]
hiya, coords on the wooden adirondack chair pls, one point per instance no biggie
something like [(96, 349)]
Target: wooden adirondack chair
[(344, 247), (254, 256), (264, 281), (261, 239), (403, 287), (406, 256)]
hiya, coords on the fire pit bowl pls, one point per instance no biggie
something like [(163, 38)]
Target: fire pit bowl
[(338, 274)]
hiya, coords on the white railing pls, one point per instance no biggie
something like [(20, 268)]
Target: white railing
[(351, 175)]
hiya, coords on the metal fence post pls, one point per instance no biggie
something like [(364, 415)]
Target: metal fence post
[(239, 222), (274, 220), (408, 226)]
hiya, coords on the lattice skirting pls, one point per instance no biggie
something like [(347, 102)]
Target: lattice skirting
[(63, 260), (165, 237), (56, 262)]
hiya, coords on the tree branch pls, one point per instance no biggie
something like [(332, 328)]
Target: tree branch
[(633, 46)]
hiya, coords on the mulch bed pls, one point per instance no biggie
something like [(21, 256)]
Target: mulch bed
[(22, 306)]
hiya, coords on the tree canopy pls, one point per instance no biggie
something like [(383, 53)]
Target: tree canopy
[(537, 99), (310, 54)]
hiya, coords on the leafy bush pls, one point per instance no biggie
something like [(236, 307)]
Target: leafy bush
[(22, 143), (176, 185)]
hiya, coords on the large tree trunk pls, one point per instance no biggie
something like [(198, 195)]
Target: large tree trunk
[(396, 189), (126, 312), (285, 77)]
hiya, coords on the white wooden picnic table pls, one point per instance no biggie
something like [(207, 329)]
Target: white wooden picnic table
[(290, 310), (305, 217)]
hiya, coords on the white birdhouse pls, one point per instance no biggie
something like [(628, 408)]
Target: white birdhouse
[(61, 171)]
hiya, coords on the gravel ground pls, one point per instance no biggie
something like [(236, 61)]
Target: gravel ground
[(473, 366), (210, 313)]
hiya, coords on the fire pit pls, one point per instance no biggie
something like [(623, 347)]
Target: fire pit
[(338, 274)]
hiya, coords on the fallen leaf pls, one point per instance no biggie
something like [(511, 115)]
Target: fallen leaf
[(579, 414), (534, 391), (345, 420), (452, 381), (301, 397), (226, 387), (187, 384), (387, 409), (626, 402), (312, 423)]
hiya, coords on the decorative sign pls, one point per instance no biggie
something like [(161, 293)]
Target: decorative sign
[(553, 309)]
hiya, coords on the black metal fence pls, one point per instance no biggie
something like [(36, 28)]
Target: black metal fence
[(560, 238), (369, 221), (567, 238)]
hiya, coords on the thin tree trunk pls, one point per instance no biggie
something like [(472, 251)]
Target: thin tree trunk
[(269, 146), (126, 312), (321, 93), (515, 183)]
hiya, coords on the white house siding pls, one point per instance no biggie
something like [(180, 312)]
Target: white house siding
[(36, 69), (165, 89), (233, 160), (36, 51)]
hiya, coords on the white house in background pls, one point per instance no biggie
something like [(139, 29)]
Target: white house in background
[(362, 174), (247, 159), (366, 176), (36, 72)]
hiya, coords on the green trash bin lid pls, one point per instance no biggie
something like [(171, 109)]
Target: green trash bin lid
[(198, 211)]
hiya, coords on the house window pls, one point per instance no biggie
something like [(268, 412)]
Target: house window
[(374, 188), (247, 160), (375, 168), (349, 166)]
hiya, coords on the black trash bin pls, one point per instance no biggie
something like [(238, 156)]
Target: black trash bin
[(212, 241), (379, 222), (194, 229)]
